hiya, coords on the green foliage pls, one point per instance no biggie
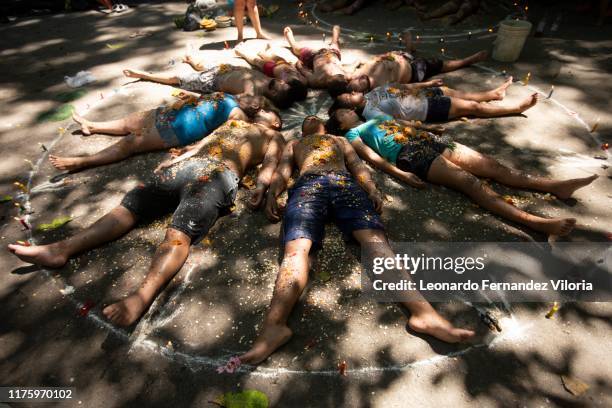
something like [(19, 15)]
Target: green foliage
[(58, 114), (243, 399), (55, 224)]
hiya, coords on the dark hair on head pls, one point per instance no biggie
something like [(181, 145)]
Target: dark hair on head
[(282, 98), (299, 90), (251, 104), (337, 85), (333, 125), (340, 104)]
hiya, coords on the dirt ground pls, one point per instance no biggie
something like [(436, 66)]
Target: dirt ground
[(214, 307)]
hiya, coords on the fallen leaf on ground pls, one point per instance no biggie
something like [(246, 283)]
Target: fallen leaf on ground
[(554, 309), (573, 385), (84, 310), (243, 399), (324, 276), (342, 366), (115, 46), (58, 114), (55, 224)]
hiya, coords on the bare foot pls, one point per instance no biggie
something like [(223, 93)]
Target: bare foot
[(127, 311), (66, 163), (239, 39), (288, 33), (435, 325), (44, 255), (566, 188), (556, 226), (271, 338), (262, 36), (430, 322), (527, 103), (85, 124), (499, 93)]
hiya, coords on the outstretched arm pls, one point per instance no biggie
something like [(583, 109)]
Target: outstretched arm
[(269, 164), (369, 155), (280, 178), (361, 173), (188, 59), (420, 85)]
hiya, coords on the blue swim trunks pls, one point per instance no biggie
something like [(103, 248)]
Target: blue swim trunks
[(193, 122), (318, 198)]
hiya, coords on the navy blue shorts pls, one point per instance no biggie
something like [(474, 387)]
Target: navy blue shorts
[(318, 198)]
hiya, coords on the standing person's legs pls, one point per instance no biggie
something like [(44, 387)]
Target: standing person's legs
[(132, 123), (239, 6), (253, 12), (108, 228), (496, 94), (423, 317), (482, 165), (290, 283), (444, 172), (463, 107)]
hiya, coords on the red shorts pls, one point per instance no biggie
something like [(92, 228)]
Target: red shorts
[(268, 68)]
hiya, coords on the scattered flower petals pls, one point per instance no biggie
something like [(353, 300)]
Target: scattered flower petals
[(87, 306), (342, 367), (232, 365)]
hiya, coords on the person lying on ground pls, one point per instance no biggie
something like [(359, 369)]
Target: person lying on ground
[(348, 7), (163, 128), (430, 102), (333, 183), (201, 186), (223, 78), (402, 68), (414, 155), (275, 66), (322, 68)]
